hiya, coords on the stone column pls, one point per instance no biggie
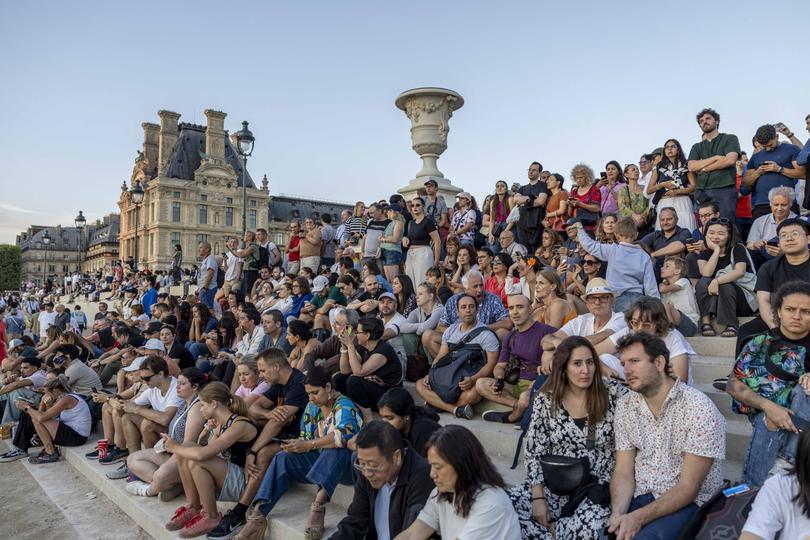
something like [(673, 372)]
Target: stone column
[(429, 110), (151, 142), (215, 134), (168, 138)]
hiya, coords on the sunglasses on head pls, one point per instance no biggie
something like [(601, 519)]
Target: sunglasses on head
[(719, 221)]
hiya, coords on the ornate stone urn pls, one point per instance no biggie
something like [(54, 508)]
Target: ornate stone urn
[(429, 110)]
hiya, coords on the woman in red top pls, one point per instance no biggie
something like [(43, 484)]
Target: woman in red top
[(293, 256), (743, 214), (496, 283), (499, 209), (584, 199)]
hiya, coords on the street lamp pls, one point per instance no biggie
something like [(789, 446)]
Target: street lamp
[(46, 239), (79, 221), (244, 145), (137, 198)]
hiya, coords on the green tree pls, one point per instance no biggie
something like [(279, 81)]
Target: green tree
[(10, 267)]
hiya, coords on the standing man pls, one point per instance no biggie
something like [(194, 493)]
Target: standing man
[(310, 246), (251, 256), (341, 235), (328, 241), (769, 168), (713, 161), (270, 254), (293, 249), (532, 201), (370, 244), (436, 208), (207, 275), (233, 267)]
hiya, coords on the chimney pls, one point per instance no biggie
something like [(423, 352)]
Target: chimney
[(215, 134), (167, 138), (151, 140)]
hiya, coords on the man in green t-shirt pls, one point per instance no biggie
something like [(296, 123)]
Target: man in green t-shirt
[(713, 162)]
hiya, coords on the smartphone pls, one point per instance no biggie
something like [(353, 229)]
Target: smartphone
[(603, 175), (773, 242), (277, 440), (691, 241), (779, 125)]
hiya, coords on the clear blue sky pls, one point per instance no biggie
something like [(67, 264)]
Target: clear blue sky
[(558, 82)]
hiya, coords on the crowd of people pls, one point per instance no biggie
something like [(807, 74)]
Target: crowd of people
[(569, 308)]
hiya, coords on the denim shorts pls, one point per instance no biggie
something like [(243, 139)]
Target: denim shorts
[(391, 258), (234, 484)]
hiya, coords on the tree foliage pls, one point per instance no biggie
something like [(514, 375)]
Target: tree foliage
[(10, 267)]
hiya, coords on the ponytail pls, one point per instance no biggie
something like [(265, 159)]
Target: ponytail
[(238, 406), (217, 391)]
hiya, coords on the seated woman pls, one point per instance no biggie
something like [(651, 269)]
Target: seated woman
[(469, 500), (546, 252), (550, 304), (158, 471), (251, 384), (284, 299), (436, 277), (72, 338), (782, 506), (319, 456), (265, 297), (112, 411), (368, 368), (606, 229), (206, 476), (303, 343), (402, 287), (648, 315), (572, 416), (202, 322), (496, 283), (425, 317), (526, 268), (139, 318), (300, 293), (465, 261), (223, 339), (725, 266), (415, 424), (66, 422)]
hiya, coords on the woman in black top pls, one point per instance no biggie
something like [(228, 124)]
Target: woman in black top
[(419, 233), (368, 368), (415, 424), (724, 266)]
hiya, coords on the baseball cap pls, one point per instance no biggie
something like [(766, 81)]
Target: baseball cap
[(597, 286), (319, 283), (464, 195), (15, 343), (154, 345), (431, 182), (388, 295), (136, 364)]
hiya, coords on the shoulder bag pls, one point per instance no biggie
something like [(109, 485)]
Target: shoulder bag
[(565, 475), (747, 282), (512, 372), (462, 360)]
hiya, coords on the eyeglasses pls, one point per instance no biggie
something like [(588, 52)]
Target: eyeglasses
[(791, 236), (599, 298), (366, 469), (635, 323), (415, 205)]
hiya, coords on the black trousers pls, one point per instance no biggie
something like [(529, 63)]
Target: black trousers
[(224, 372), (726, 306), (362, 391), (25, 430)]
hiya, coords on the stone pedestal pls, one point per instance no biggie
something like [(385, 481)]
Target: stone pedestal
[(429, 110)]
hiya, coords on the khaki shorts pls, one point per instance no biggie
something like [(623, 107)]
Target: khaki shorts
[(232, 284), (522, 386)]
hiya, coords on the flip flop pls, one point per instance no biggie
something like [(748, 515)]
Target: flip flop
[(707, 330)]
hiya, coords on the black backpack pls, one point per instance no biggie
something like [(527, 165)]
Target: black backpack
[(220, 277), (462, 360), (720, 517), (264, 256)]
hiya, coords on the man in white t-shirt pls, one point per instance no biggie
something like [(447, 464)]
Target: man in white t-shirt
[(31, 376), (148, 415), (47, 319), (597, 325), (207, 275), (233, 267), (393, 321)]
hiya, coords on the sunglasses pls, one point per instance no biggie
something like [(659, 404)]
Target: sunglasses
[(719, 221), (586, 261), (147, 378)]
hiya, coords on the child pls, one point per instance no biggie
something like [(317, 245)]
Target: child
[(79, 319), (630, 270), (679, 296)]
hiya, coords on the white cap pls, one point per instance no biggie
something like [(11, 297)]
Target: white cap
[(319, 283), (154, 344), (136, 364)]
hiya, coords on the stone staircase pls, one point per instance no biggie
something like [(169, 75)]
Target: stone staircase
[(288, 519)]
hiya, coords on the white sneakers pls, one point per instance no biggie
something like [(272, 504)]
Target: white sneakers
[(138, 488)]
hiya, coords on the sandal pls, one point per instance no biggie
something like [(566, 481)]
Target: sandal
[(315, 528), (730, 331), (707, 330)]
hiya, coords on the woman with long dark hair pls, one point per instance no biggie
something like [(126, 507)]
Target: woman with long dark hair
[(557, 204), (402, 287), (177, 263), (724, 266), (497, 282), (572, 416), (610, 185), (499, 208), (671, 184), (469, 500), (415, 424)]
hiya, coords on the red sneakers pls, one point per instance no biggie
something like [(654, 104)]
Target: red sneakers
[(200, 524), (182, 515)]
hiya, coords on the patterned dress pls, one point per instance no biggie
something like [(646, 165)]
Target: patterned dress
[(558, 434), (343, 422)]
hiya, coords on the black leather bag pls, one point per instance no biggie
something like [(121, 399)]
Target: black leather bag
[(462, 360), (565, 475), (512, 372)]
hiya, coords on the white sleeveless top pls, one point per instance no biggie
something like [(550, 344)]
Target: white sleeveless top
[(77, 418)]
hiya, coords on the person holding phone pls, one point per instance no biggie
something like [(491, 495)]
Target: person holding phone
[(770, 167)]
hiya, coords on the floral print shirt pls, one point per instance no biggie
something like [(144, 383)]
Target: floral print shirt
[(689, 423), (344, 422)]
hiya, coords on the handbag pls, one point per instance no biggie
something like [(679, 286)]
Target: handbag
[(462, 360), (565, 475), (512, 373), (747, 282), (514, 215), (586, 216)]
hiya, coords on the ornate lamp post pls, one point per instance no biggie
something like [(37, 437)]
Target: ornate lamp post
[(79, 221), (137, 198), (244, 145), (46, 240)]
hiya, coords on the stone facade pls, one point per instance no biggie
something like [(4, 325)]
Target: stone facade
[(102, 245), (286, 208), (192, 179), (61, 256)]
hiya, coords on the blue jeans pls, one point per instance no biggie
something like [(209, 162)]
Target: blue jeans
[(625, 300), (207, 297), (196, 348), (325, 469), (664, 528), (726, 199), (766, 445), (686, 327)]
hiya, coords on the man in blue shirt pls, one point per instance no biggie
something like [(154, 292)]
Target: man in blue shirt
[(149, 298), (769, 168)]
